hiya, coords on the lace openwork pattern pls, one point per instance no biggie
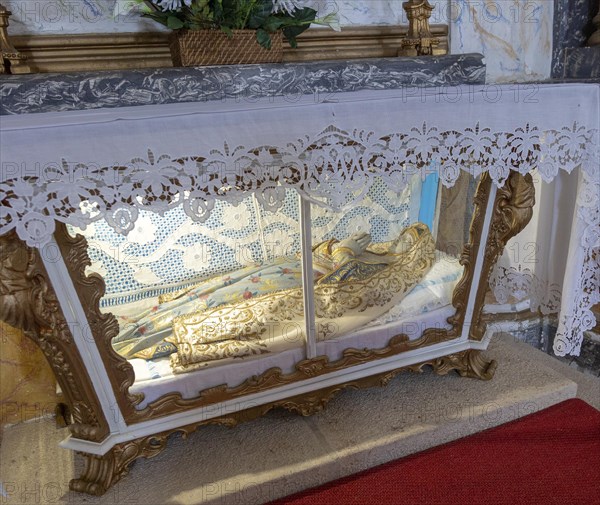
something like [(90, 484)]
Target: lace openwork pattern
[(325, 168), (522, 284), (579, 317)]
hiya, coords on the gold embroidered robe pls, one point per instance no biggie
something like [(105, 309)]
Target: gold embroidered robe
[(354, 293)]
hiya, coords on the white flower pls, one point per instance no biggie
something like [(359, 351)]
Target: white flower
[(197, 257), (279, 243), (236, 218), (358, 224), (143, 232), (172, 5), (146, 276), (332, 20), (288, 6)]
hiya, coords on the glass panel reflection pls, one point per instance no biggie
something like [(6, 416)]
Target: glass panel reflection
[(228, 291), (388, 265), (193, 295)]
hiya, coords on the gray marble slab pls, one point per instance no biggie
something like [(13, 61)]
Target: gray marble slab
[(582, 63), (23, 94), (572, 27)]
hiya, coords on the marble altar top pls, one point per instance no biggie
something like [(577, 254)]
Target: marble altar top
[(582, 63), (35, 93)]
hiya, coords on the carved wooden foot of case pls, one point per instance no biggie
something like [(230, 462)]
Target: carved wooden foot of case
[(102, 472), (471, 363), (62, 412)]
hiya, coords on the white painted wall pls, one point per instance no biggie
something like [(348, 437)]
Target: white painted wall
[(514, 35)]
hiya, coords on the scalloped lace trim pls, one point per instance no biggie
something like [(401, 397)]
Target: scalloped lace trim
[(324, 168)]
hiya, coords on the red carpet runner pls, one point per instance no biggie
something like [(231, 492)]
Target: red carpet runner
[(550, 457)]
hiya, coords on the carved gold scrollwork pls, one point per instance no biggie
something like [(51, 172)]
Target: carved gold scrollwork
[(28, 302), (101, 472), (460, 295), (512, 211), (419, 40), (12, 61), (469, 363), (103, 326), (306, 369)]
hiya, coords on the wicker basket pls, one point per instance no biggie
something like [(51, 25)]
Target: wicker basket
[(213, 47)]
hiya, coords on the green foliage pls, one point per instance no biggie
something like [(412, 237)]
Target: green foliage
[(174, 23), (229, 15), (303, 18), (263, 38)]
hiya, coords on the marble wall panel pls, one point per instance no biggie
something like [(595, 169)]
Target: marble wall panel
[(27, 385), (515, 36), (54, 17)]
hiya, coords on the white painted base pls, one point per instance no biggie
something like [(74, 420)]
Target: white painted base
[(202, 414)]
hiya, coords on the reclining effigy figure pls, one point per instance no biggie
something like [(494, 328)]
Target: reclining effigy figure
[(259, 309)]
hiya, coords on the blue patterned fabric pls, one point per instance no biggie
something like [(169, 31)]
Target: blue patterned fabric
[(166, 253)]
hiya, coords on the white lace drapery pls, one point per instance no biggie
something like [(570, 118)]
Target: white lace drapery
[(534, 266), (78, 167)]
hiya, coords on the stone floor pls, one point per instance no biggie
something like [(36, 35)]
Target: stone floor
[(282, 453)]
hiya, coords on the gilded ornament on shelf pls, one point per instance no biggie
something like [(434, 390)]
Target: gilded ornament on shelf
[(13, 62), (419, 40)]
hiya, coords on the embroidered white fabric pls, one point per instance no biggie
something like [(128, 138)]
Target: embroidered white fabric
[(520, 284), (583, 284), (164, 254), (79, 167)]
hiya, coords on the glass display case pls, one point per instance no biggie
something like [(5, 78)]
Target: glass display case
[(201, 304)]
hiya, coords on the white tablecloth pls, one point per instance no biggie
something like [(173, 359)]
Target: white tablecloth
[(81, 166)]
